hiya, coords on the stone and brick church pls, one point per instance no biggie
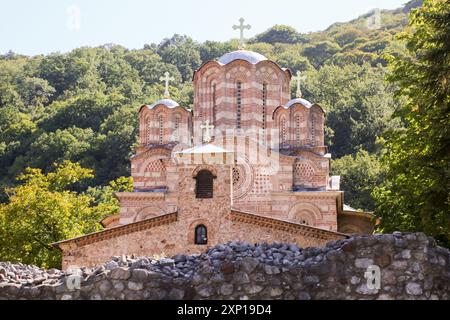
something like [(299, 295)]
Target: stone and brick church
[(247, 163)]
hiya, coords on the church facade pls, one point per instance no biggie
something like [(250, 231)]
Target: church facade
[(248, 163)]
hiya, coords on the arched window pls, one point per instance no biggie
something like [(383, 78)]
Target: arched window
[(176, 128), (204, 184), (313, 129), (264, 108), (214, 97), (283, 133), (201, 234), (297, 130), (161, 129), (149, 130), (238, 104)]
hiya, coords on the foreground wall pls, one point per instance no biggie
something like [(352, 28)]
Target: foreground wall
[(411, 265)]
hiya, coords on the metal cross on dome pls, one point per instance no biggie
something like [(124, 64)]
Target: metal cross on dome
[(241, 27), (299, 78), (167, 78), (207, 127)]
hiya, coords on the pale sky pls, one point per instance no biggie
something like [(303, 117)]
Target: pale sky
[(44, 26)]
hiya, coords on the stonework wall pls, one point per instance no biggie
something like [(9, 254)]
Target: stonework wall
[(411, 267)]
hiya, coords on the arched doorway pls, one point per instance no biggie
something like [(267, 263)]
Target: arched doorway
[(201, 235)]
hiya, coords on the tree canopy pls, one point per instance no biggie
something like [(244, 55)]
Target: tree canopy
[(415, 193)]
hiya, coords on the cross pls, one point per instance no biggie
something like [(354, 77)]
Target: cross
[(299, 78), (241, 28), (207, 127), (167, 78)]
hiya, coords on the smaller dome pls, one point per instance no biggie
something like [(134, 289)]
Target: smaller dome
[(167, 102), (303, 102), (249, 56)]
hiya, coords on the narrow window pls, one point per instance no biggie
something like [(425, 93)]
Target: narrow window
[(201, 234), (313, 130), (297, 130), (176, 129), (149, 130), (238, 104), (264, 106), (214, 88), (204, 184), (161, 129), (283, 133)]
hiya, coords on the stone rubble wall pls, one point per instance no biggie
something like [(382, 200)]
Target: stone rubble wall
[(412, 267)]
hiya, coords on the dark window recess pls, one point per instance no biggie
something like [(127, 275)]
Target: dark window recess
[(201, 234), (239, 104), (204, 184)]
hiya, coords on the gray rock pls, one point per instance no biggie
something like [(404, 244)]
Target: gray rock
[(363, 263), (179, 258), (167, 262), (248, 264), (176, 294), (355, 280), (66, 297), (414, 289), (110, 265), (253, 289), (226, 289), (120, 273), (365, 290), (205, 290), (311, 279), (241, 278), (276, 291), (139, 275), (303, 296), (105, 286), (135, 286), (119, 286)]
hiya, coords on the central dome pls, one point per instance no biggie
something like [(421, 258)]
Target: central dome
[(167, 102), (249, 56)]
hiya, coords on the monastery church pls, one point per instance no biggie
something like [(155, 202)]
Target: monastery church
[(248, 163)]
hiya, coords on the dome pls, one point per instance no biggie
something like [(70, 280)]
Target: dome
[(248, 56), (167, 102), (303, 102)]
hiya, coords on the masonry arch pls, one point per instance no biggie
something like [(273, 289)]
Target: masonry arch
[(193, 227), (148, 212), (305, 213)]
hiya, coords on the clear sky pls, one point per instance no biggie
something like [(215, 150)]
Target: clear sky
[(44, 26)]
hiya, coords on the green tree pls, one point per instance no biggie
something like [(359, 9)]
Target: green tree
[(360, 174), (347, 35), (104, 195), (44, 210), (182, 52), (279, 34), (319, 53), (211, 50), (293, 60), (415, 195), (72, 143), (35, 91), (151, 66), (358, 102)]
